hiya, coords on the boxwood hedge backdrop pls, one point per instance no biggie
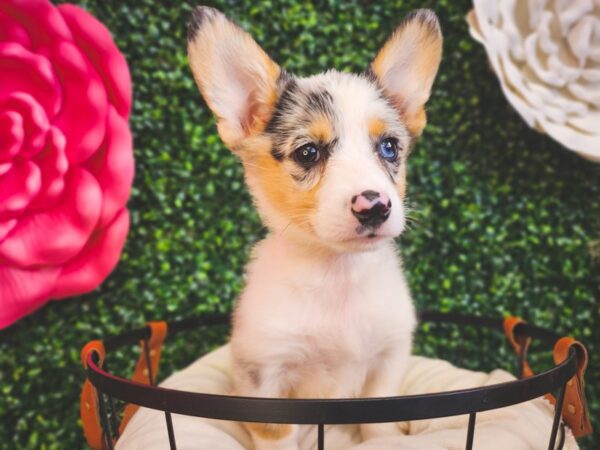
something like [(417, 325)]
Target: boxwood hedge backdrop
[(505, 220)]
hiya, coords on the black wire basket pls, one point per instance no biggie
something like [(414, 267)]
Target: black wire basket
[(100, 417)]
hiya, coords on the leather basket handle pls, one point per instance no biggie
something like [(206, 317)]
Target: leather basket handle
[(574, 411), (145, 372)]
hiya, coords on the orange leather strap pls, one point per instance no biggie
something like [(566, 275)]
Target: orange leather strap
[(574, 411), (521, 345), (88, 402), (144, 373)]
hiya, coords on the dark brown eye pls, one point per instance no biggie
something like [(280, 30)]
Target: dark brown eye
[(307, 155), (388, 149)]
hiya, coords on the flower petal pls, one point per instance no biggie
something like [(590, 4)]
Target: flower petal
[(18, 187), (5, 227), (113, 167), (538, 65), (23, 71), (568, 12), (83, 115), (100, 256), (40, 19), (11, 134), (95, 40), (35, 121), (55, 236), (11, 31), (594, 52), (5, 167), (53, 163), (588, 123), (579, 38), (535, 10), (22, 291), (589, 92), (586, 145), (512, 28), (546, 31)]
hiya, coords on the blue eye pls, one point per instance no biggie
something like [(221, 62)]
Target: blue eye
[(388, 149), (307, 155)]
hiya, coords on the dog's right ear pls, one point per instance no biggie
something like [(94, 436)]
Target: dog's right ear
[(235, 76)]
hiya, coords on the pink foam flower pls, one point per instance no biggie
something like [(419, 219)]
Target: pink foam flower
[(66, 159)]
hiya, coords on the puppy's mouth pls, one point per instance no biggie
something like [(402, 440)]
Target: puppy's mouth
[(367, 231), (370, 232), (370, 237), (367, 236)]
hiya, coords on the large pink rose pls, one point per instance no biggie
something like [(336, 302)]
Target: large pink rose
[(66, 160)]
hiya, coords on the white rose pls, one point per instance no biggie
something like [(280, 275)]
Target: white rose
[(546, 54)]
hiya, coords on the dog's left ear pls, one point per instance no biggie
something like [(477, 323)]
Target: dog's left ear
[(235, 76), (407, 64)]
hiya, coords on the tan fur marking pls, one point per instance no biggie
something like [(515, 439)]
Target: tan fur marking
[(402, 183), (283, 192), (416, 122), (249, 149), (269, 431), (321, 129), (376, 128)]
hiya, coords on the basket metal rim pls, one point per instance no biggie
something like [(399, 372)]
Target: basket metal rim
[(336, 411)]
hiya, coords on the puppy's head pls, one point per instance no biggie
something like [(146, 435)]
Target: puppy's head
[(324, 156)]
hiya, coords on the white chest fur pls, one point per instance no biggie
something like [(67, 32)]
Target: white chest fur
[(315, 325)]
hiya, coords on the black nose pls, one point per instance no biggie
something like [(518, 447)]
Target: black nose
[(371, 208)]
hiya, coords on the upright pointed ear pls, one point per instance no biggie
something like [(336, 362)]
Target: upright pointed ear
[(235, 76), (406, 66)]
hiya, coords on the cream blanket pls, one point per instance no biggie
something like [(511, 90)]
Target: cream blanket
[(521, 427)]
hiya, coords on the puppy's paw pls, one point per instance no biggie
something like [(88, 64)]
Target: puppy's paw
[(274, 436), (372, 430)]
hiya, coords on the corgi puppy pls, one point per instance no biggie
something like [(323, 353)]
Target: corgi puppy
[(325, 311)]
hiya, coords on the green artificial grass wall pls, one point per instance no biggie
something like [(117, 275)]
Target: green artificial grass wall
[(505, 220)]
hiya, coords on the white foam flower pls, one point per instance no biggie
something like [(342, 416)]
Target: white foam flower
[(546, 54)]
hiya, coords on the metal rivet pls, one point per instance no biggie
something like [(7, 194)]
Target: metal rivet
[(87, 405), (152, 352), (571, 408), (145, 372)]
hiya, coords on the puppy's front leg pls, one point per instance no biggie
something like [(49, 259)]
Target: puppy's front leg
[(384, 381), (267, 382)]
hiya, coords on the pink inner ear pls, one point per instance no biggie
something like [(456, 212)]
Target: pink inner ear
[(256, 116)]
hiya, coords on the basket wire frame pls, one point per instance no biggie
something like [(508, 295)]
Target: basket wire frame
[(321, 412)]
